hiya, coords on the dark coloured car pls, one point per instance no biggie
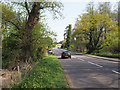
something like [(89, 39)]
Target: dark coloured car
[(66, 54)]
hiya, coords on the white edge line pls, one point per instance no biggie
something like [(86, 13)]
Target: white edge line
[(95, 64), (82, 60), (115, 72), (114, 62)]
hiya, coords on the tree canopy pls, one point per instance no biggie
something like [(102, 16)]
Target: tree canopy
[(25, 35), (92, 29)]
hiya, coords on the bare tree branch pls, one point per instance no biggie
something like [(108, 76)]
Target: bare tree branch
[(13, 24), (26, 6)]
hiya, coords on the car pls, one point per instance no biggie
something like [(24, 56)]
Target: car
[(65, 54), (50, 51)]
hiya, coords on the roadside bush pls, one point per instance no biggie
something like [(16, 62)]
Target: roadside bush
[(11, 51)]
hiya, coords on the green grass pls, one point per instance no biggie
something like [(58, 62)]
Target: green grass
[(47, 74), (107, 55)]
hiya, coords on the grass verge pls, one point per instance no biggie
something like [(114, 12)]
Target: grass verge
[(100, 54), (107, 55), (47, 74)]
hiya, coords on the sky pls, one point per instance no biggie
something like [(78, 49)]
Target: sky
[(72, 9), (70, 13)]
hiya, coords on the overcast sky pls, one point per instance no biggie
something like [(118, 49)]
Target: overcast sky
[(72, 8)]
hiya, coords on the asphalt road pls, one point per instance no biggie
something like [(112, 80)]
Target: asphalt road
[(88, 72)]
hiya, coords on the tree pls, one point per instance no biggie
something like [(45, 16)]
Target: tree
[(93, 30), (27, 19), (110, 44), (106, 7), (41, 38), (91, 27), (68, 39), (67, 36)]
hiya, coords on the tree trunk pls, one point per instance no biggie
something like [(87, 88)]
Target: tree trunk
[(33, 20), (90, 45)]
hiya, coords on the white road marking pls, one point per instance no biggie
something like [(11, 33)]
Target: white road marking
[(79, 58), (73, 57), (115, 72), (95, 64), (114, 62), (82, 60)]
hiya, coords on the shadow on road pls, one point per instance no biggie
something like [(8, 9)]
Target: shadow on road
[(63, 58), (76, 54)]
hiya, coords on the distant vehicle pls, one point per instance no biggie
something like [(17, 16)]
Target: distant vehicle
[(66, 54), (50, 51)]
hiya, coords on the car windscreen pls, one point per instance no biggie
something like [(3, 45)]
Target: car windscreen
[(67, 52)]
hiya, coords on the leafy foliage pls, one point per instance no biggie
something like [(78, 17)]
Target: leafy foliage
[(111, 42), (25, 36), (41, 39), (96, 31)]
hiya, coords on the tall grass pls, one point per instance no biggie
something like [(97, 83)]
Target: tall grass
[(47, 74)]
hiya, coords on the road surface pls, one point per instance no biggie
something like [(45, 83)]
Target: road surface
[(89, 72)]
